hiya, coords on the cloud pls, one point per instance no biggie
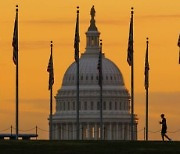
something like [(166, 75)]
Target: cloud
[(28, 105), (165, 16), (160, 101), (52, 21), (71, 21), (36, 44), (106, 22), (119, 21)]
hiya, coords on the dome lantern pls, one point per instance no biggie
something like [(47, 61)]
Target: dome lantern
[(92, 35)]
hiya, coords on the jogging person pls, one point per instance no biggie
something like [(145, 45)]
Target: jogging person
[(164, 128)]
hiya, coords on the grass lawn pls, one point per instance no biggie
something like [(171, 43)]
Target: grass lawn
[(88, 147)]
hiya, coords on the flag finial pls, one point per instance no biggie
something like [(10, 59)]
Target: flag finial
[(147, 40), (16, 8), (77, 9), (132, 10), (51, 43), (178, 41)]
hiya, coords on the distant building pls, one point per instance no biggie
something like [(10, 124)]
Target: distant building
[(116, 99)]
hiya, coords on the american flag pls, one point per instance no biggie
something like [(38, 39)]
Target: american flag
[(146, 71), (77, 39), (51, 71), (178, 41), (130, 42), (15, 39), (179, 47)]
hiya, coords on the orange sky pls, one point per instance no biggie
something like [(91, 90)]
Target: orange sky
[(44, 20)]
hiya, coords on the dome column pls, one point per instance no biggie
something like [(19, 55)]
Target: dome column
[(80, 132), (53, 132), (95, 131), (123, 132), (66, 131), (56, 132), (117, 131), (88, 132), (61, 131), (121, 128), (74, 131), (129, 133), (110, 131), (135, 130)]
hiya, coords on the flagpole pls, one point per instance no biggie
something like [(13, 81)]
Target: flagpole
[(147, 114), (77, 63), (77, 73), (51, 100), (132, 87), (132, 99), (51, 113), (17, 82), (101, 103), (147, 93)]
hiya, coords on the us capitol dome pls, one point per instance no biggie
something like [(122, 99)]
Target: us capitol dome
[(116, 99)]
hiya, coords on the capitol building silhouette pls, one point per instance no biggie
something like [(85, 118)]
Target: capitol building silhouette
[(115, 97)]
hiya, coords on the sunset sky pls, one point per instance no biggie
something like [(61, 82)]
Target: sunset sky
[(41, 21)]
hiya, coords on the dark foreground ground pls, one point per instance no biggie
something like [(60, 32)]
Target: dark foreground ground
[(89, 147)]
